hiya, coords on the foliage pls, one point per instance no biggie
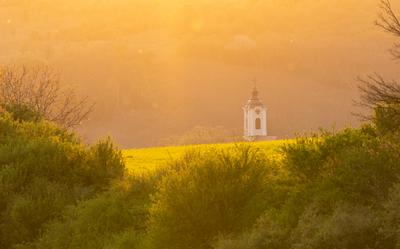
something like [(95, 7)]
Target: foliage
[(391, 219), (267, 233), (329, 190), (387, 118), (22, 112), (348, 226), (205, 194), (332, 190), (44, 169), (114, 219), (340, 195)]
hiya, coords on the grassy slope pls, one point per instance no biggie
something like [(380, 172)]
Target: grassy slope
[(142, 160)]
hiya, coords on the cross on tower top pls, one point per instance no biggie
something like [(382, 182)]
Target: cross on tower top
[(255, 82)]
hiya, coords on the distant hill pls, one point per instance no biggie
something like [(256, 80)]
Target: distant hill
[(158, 68)]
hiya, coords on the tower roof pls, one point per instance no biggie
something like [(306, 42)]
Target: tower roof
[(254, 94), (254, 100)]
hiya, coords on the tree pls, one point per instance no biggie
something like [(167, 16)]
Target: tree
[(37, 88), (389, 21), (377, 93), (380, 95)]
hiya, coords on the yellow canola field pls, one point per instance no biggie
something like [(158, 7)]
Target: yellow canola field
[(149, 159)]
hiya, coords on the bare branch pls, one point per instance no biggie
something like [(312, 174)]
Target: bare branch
[(39, 88), (389, 21), (376, 92)]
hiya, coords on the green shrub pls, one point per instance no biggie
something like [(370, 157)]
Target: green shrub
[(22, 112), (207, 194), (386, 118), (267, 233), (338, 186), (27, 210), (391, 220), (43, 169), (313, 158), (114, 219), (348, 227)]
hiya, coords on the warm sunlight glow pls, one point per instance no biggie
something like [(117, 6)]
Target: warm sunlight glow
[(170, 62), (199, 124)]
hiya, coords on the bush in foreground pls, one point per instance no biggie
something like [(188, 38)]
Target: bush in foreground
[(44, 169), (114, 219), (206, 194), (342, 194)]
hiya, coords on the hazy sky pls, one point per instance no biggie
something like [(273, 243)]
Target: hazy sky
[(159, 68)]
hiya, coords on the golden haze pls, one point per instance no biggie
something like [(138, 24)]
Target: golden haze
[(158, 68)]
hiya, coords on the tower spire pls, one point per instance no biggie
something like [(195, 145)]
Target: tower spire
[(254, 94), (255, 82)]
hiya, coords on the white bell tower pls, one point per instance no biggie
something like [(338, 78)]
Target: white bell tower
[(255, 118)]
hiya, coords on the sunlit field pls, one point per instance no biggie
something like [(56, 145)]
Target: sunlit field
[(149, 159)]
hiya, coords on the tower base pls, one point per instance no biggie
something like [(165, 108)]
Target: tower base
[(260, 138)]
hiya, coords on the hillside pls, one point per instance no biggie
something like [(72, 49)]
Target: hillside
[(158, 68), (148, 159)]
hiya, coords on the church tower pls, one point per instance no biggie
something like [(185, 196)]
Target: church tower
[(255, 118)]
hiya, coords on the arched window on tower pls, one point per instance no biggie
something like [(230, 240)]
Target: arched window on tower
[(258, 124)]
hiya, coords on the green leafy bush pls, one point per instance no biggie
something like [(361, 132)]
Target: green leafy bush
[(43, 169), (206, 194), (22, 112), (386, 118), (340, 195), (113, 219), (390, 217), (349, 226), (267, 233)]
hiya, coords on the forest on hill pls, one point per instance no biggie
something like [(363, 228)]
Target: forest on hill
[(155, 69)]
